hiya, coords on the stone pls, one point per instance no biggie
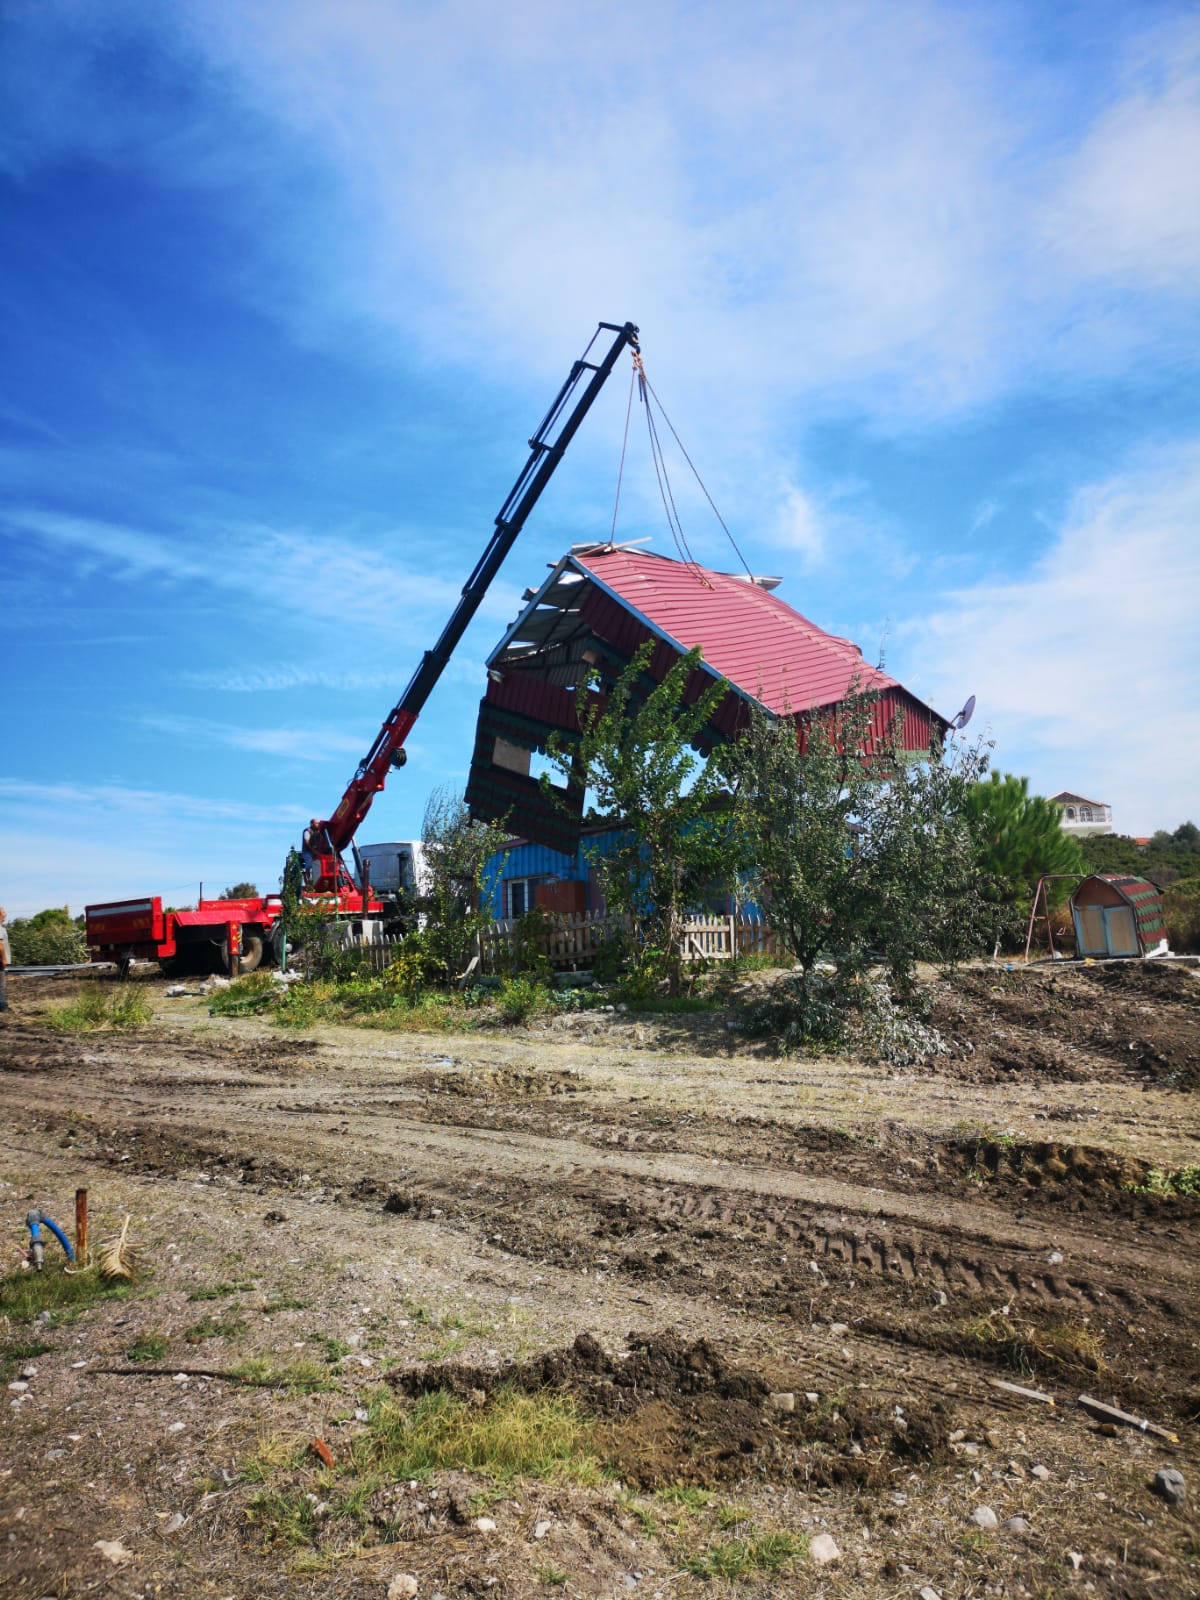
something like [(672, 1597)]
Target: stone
[(940, 1297), (839, 1330), (1055, 1258), (993, 1439), (1075, 1559), (485, 1525), (1169, 1485), (113, 1550), (1016, 1525), (784, 1401), (541, 1529), (1040, 1472), (177, 1427), (929, 1593), (823, 1550), (402, 1587), (984, 1517), (18, 1387), (173, 1524)]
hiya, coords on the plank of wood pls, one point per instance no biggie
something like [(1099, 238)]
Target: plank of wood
[(1018, 1389), (1103, 1413)]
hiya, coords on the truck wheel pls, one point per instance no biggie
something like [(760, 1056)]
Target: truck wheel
[(252, 951)]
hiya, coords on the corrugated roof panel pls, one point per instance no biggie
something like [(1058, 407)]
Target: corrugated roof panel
[(748, 635)]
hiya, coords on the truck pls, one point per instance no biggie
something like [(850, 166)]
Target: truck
[(236, 934)]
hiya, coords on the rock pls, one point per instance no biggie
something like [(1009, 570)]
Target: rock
[(29, 1372), (1016, 1525), (541, 1529), (812, 1397), (993, 1439), (929, 1593), (783, 1401), (823, 1550), (1169, 1485), (1055, 1258), (177, 1427), (484, 1525), (940, 1297), (1075, 1559), (18, 1387), (984, 1517), (402, 1587), (838, 1330), (113, 1550), (173, 1524), (1040, 1472)]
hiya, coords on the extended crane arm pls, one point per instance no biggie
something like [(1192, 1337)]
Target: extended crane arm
[(324, 841)]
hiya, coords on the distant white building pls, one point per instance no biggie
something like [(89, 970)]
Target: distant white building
[(1081, 816)]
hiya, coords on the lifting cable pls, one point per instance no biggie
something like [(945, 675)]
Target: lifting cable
[(650, 399)]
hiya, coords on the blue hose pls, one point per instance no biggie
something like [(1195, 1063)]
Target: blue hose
[(35, 1217)]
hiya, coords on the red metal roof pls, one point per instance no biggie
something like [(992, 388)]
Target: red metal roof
[(749, 636)]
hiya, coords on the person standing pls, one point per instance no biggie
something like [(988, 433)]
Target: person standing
[(5, 962)]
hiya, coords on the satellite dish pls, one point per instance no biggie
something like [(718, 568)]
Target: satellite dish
[(965, 715)]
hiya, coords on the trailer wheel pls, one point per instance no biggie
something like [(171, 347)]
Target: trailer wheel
[(252, 951)]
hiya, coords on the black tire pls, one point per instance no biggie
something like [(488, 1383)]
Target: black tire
[(252, 951)]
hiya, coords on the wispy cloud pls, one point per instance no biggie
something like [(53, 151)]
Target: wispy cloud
[(298, 744), (1086, 667), (148, 805), (290, 571)]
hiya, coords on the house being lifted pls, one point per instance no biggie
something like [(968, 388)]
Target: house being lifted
[(597, 607)]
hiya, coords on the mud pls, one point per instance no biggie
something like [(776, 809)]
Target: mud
[(454, 1213)]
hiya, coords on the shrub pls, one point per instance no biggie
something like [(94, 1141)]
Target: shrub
[(53, 944), (127, 1007), (521, 998), (838, 1009), (1181, 910)]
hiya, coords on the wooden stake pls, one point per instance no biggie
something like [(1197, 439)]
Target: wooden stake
[(81, 1242)]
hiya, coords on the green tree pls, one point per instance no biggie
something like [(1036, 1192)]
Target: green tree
[(1019, 838), (458, 877), (858, 847), (48, 938), (669, 806), (241, 891)]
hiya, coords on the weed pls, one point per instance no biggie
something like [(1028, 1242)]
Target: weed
[(742, 1558), (301, 1377), (283, 1302), (150, 1347), (127, 1007), (13, 1355), (218, 1291), (251, 993), (285, 1516), (691, 1499), (63, 1294), (554, 1577), (1028, 1347), (215, 1328), (645, 1517), (514, 1434), (1170, 1181), (335, 1349)]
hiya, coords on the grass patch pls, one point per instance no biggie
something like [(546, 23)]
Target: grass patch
[(122, 1009), (18, 1353), (219, 1291), (283, 1516), (553, 1577), (248, 994), (150, 1347), (1170, 1181), (744, 1558), (63, 1294), (512, 1435), (283, 1302), (215, 1328), (1029, 1348), (301, 1377)]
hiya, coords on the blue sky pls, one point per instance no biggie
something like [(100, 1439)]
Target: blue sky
[(287, 287)]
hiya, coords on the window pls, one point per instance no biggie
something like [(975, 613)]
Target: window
[(1070, 813), (1085, 813), (521, 895)]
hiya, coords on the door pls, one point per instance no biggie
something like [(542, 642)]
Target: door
[(1120, 931)]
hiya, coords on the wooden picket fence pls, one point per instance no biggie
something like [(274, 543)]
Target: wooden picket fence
[(571, 941)]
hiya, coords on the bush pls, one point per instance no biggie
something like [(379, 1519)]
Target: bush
[(53, 944), (1181, 911), (126, 1008), (521, 998), (838, 1009)]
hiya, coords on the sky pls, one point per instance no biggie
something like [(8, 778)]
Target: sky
[(288, 286)]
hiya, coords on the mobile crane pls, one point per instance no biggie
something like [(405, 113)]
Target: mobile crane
[(239, 931)]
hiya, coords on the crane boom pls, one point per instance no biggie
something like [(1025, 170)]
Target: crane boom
[(325, 840)]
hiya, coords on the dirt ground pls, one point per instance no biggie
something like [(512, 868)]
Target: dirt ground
[(783, 1289)]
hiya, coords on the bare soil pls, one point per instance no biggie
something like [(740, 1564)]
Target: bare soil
[(782, 1288)]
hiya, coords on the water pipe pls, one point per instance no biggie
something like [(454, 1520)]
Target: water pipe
[(37, 1250)]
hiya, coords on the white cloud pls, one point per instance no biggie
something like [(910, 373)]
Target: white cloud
[(1086, 667), (1129, 202), (798, 528), (305, 577), (298, 744), (75, 844)]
